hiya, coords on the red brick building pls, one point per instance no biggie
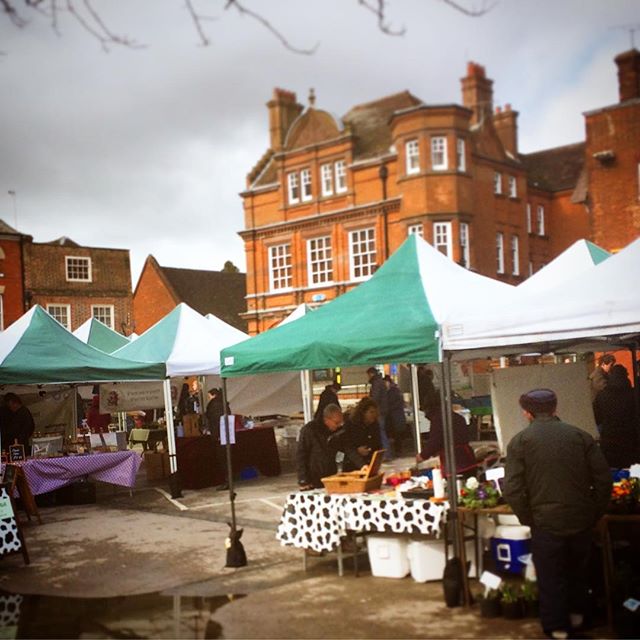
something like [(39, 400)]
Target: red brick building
[(11, 274), (160, 289), (75, 283), (331, 199)]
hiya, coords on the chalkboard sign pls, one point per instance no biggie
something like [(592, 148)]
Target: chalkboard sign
[(16, 453)]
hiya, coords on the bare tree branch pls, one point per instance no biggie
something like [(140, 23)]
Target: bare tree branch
[(197, 21), (99, 29), (379, 10), (474, 13), (265, 23), (83, 12)]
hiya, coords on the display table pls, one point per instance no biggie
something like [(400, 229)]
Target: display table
[(202, 463), (315, 520), (48, 474)]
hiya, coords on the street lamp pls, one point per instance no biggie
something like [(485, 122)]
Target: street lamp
[(383, 174), (12, 193)]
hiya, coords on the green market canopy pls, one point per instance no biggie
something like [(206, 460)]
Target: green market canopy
[(98, 335), (36, 349), (395, 316)]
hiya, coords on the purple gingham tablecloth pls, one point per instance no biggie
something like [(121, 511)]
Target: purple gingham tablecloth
[(47, 474)]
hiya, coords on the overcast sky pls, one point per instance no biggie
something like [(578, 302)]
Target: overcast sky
[(147, 149)]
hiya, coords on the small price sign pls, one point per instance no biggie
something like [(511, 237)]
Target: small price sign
[(16, 453)]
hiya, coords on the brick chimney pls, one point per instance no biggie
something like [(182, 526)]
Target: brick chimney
[(505, 122), (477, 92), (283, 110), (629, 74)]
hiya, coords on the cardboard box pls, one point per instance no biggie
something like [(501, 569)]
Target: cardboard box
[(191, 424), (156, 464)]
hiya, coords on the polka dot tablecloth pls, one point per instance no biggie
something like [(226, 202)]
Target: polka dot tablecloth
[(316, 520)]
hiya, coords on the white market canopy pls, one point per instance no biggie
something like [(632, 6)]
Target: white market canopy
[(99, 335), (602, 302), (579, 258), (186, 341), (37, 349)]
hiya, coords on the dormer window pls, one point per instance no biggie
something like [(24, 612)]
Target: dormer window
[(78, 269), (326, 177), (341, 176), (305, 179), (293, 185)]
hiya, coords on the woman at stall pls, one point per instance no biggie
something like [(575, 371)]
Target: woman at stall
[(615, 413), (361, 435)]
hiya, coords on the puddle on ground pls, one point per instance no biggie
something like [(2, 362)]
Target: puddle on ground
[(150, 615)]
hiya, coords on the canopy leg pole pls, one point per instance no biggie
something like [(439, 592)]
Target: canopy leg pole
[(450, 461), (236, 556), (171, 434), (415, 399), (307, 395)]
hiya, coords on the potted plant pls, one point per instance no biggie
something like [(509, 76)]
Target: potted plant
[(490, 604), (529, 596), (477, 495), (511, 603)]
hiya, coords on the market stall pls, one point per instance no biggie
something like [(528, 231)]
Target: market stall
[(37, 350)]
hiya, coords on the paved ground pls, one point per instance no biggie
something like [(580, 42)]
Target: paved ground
[(144, 565)]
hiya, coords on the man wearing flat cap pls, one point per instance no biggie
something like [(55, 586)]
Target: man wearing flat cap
[(557, 482)]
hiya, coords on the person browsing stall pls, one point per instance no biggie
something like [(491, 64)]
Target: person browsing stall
[(361, 435), (319, 442), (465, 458), (327, 397), (558, 483)]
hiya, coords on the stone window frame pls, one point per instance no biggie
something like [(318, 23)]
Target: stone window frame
[(443, 237), (500, 253), (515, 255), (461, 159), (280, 267), (53, 309), (340, 168), (319, 261), (465, 245), (416, 228), (306, 191), (97, 312), (362, 253), (326, 179), (439, 160)]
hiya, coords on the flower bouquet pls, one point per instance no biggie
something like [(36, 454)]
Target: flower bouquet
[(477, 495), (625, 496)]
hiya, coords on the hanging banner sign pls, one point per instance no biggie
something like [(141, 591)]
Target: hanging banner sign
[(131, 396)]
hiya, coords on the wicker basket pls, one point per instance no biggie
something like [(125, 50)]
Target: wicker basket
[(351, 483), (360, 481)]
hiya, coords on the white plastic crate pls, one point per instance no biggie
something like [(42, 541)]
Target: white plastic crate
[(388, 556), (427, 560)]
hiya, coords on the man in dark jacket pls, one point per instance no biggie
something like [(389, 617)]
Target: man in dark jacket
[(327, 397), (21, 424), (558, 483), (318, 444), (378, 393)]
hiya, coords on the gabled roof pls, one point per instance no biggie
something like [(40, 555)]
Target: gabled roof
[(221, 293), (5, 229), (555, 169), (63, 241), (369, 123)]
